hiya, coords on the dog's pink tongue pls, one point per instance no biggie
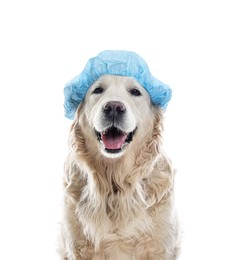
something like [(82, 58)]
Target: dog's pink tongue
[(114, 142)]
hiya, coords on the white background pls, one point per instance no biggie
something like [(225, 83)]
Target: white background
[(190, 45)]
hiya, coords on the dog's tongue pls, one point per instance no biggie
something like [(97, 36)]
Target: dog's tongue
[(113, 141)]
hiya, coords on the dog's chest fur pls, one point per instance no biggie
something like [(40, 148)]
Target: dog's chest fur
[(118, 215)]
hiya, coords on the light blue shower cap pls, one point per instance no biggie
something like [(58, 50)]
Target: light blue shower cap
[(121, 63)]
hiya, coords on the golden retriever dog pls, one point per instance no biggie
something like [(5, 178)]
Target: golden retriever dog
[(118, 182)]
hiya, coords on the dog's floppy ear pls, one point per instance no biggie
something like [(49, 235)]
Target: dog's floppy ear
[(158, 122), (76, 139), (80, 109)]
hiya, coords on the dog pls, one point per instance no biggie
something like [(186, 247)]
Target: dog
[(118, 182)]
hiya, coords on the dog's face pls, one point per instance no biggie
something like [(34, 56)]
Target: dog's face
[(119, 111)]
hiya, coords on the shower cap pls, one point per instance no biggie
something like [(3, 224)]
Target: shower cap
[(121, 63)]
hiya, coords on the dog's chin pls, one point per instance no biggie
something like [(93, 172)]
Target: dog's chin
[(113, 141)]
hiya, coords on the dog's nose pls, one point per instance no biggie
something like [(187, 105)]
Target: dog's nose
[(114, 108)]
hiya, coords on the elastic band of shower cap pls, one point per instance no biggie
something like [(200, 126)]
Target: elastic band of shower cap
[(112, 62)]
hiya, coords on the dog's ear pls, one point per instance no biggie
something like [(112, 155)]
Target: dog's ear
[(159, 114), (158, 124), (80, 109), (76, 139)]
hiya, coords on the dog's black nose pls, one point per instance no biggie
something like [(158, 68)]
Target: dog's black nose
[(114, 108)]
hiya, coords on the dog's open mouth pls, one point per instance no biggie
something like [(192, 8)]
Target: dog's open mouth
[(114, 140)]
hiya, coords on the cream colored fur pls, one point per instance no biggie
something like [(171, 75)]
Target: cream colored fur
[(118, 207)]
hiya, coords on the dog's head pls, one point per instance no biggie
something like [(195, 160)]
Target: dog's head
[(116, 111)]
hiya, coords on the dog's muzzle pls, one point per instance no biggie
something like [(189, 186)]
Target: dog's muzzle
[(113, 138)]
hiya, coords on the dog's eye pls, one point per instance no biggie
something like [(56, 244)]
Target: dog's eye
[(135, 92), (98, 90)]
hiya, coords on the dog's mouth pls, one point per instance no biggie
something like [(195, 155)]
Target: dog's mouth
[(114, 140)]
